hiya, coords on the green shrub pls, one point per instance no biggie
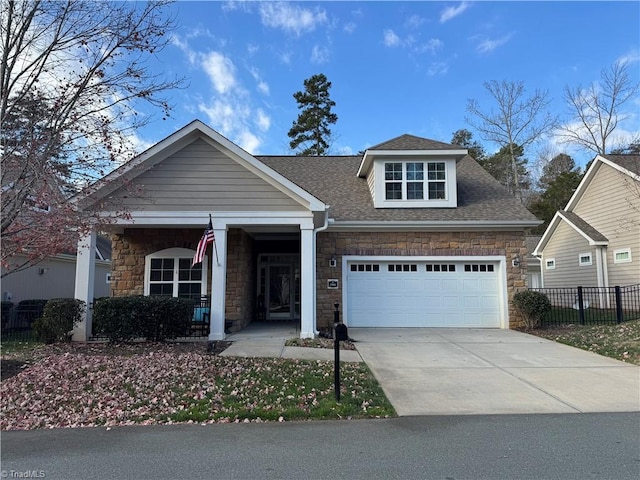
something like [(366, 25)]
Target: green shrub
[(123, 319), (28, 311), (59, 318), (533, 306), (7, 307)]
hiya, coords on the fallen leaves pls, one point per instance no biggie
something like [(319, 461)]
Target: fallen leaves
[(88, 388)]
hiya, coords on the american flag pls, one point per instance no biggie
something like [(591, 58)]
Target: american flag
[(207, 238)]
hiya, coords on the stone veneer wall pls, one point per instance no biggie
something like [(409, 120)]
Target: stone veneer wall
[(241, 280), (509, 244), (130, 248)]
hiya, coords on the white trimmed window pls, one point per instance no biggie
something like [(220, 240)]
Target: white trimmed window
[(169, 273), (407, 183), (585, 259), (410, 181), (622, 255), (550, 264)]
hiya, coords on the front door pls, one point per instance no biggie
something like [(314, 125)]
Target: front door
[(279, 285)]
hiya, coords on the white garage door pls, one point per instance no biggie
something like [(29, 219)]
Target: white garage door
[(443, 293)]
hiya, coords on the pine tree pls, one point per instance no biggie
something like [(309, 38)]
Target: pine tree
[(311, 131)]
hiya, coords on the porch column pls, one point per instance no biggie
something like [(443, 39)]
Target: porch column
[(218, 284), (307, 261), (85, 274)]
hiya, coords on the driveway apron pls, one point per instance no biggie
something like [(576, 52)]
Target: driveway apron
[(441, 371)]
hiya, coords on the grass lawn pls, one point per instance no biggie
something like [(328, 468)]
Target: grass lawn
[(77, 385), (621, 342)]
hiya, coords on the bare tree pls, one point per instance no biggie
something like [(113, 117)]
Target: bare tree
[(74, 80), (597, 109), (515, 121)]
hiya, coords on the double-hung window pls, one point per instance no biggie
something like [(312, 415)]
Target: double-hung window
[(407, 181)]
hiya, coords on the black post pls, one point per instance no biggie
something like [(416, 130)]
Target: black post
[(619, 318), (580, 306), (336, 383)]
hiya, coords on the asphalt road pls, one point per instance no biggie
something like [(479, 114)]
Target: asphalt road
[(559, 446)]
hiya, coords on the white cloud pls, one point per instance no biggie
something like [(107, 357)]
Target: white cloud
[(248, 141), (263, 121), (319, 55), (437, 68), (452, 12), (220, 70), (391, 39), (291, 18), (349, 27), (263, 87), (488, 45), (431, 46), (414, 21), (629, 58)]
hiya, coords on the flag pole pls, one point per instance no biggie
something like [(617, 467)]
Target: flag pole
[(215, 248)]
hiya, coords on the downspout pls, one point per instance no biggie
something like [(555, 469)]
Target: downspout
[(315, 261), (601, 274)]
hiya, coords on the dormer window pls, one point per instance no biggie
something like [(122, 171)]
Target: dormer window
[(407, 181)]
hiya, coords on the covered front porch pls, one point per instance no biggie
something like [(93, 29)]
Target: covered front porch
[(254, 272)]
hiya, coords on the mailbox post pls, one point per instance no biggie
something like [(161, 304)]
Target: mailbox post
[(340, 333)]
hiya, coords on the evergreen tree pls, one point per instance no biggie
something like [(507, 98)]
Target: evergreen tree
[(560, 178), (311, 132), (464, 138)]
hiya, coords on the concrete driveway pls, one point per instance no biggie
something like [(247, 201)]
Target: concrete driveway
[(440, 371)]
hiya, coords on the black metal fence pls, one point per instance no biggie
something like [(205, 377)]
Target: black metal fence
[(591, 305), (17, 320)]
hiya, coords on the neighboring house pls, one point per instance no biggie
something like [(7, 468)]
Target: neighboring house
[(55, 277), (595, 240), (534, 275), (413, 233)]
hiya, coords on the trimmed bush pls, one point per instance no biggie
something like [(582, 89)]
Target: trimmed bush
[(27, 311), (59, 317), (7, 307), (123, 319), (533, 306)]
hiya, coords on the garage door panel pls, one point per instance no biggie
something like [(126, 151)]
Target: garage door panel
[(449, 294)]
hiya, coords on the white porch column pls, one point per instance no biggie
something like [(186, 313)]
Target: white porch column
[(307, 262), (85, 273), (218, 284)]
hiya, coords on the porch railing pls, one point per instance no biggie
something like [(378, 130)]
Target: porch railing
[(591, 305)]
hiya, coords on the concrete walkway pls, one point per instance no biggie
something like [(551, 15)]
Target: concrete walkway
[(439, 371), (268, 340)]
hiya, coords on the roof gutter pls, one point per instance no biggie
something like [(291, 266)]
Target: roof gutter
[(444, 225)]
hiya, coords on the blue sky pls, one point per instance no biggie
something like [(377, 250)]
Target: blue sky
[(395, 67)]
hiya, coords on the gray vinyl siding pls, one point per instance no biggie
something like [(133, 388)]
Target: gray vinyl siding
[(612, 206), (565, 246), (371, 181), (58, 281), (201, 178)]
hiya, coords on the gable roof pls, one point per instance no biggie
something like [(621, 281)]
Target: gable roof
[(593, 236), (410, 145), (628, 165), (481, 198), (411, 142), (178, 140)]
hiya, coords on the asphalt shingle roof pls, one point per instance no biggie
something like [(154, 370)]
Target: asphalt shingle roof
[(333, 180), (628, 162), (411, 142), (585, 227)]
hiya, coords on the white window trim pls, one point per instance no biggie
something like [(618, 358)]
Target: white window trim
[(587, 263), (622, 250), (450, 189), (173, 253), (550, 264)]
